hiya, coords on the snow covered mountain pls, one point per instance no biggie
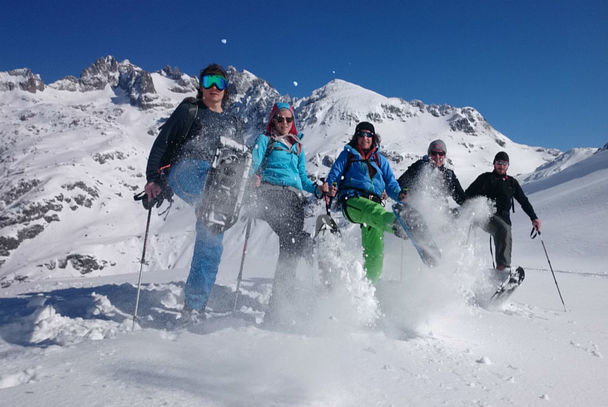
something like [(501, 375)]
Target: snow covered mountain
[(71, 237), (73, 153)]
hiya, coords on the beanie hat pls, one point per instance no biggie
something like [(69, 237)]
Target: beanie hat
[(501, 156), (365, 126), (437, 145)]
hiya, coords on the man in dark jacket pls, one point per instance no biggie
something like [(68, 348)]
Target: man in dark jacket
[(430, 174), (187, 144), (501, 188)]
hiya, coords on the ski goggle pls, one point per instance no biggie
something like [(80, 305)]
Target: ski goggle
[(207, 81), (439, 153), (281, 119), (365, 134)]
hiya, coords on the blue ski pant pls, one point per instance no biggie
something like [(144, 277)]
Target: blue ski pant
[(187, 179)]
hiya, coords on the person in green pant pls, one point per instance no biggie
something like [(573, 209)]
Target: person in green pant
[(361, 177)]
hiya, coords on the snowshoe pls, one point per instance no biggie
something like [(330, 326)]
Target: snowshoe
[(507, 287), (225, 186), (327, 247), (416, 229)]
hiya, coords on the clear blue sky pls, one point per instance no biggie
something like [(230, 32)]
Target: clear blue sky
[(537, 70)]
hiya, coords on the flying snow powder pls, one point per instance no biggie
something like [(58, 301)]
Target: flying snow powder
[(295, 83), (224, 41)]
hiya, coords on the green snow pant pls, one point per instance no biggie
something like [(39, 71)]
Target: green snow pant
[(374, 221)]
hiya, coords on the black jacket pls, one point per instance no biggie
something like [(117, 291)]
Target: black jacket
[(411, 180), (501, 189), (191, 132)]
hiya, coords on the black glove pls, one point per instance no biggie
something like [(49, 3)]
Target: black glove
[(148, 204)]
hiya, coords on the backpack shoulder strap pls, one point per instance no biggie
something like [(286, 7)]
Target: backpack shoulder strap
[(350, 159), (377, 159)]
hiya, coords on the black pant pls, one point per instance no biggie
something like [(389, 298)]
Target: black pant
[(501, 231), (283, 210)]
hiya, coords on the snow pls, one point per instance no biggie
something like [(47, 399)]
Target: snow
[(418, 338), (68, 342)]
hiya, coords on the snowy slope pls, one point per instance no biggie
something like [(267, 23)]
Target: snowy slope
[(68, 342), (561, 162), (574, 199)]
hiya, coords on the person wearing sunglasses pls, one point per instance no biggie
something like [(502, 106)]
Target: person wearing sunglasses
[(431, 177), (361, 177), (280, 180), (180, 159), (501, 188)]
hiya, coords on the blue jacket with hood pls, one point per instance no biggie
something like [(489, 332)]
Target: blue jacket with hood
[(358, 180), (281, 165)]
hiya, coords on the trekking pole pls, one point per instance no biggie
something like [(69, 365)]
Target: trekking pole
[(240, 276), (401, 268), (141, 266), (328, 202), (532, 236), (492, 253)]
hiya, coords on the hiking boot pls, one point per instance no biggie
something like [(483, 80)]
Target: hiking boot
[(517, 275), (399, 231), (191, 316), (510, 275)]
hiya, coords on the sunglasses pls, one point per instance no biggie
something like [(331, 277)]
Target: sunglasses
[(365, 134), (439, 153), (281, 119), (208, 81), (501, 163)]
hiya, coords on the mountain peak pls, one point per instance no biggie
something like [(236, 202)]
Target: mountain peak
[(23, 79), (135, 82)]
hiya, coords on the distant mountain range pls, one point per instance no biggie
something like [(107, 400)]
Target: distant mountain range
[(73, 152)]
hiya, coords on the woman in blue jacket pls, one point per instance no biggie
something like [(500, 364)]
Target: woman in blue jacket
[(279, 167), (361, 176)]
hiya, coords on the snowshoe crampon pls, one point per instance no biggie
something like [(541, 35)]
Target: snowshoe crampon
[(325, 223), (225, 186)]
